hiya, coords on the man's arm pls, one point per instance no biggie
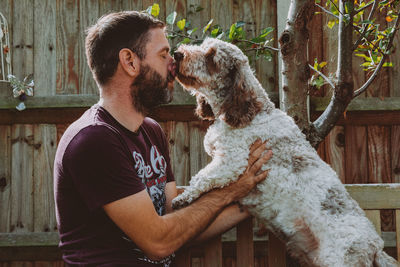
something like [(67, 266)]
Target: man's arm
[(160, 236)]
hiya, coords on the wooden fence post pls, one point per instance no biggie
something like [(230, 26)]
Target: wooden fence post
[(213, 253), (276, 252), (244, 244)]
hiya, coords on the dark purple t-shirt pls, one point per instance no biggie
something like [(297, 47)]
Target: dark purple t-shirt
[(99, 161)]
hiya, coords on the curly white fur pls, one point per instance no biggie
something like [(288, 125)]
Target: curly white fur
[(302, 201)]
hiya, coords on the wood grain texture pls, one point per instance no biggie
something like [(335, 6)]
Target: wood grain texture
[(21, 178), (88, 15), (276, 252), (379, 165), (394, 71), (213, 253), (335, 151), (198, 156), (375, 218), (178, 134), (5, 178), (45, 144), (219, 11), (23, 38), (395, 153), (356, 171), (44, 53), (68, 72), (244, 244)]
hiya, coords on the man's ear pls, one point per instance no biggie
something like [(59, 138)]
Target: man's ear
[(129, 62)]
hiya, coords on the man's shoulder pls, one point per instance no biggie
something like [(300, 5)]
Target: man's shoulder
[(87, 130)]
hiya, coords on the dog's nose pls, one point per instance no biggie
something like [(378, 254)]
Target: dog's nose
[(178, 56)]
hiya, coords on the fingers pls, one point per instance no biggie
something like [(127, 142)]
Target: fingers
[(256, 150), (261, 177), (260, 162)]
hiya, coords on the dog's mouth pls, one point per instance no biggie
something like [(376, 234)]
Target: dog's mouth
[(171, 72)]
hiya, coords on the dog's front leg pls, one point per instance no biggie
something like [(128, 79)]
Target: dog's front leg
[(217, 174)]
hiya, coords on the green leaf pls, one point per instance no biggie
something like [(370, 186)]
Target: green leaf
[(155, 10), (171, 18), (388, 64), (214, 32), (186, 41), (207, 26), (189, 32), (199, 8), (232, 31), (181, 24), (331, 23)]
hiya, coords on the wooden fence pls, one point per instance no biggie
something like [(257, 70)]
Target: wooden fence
[(47, 39), (239, 247)]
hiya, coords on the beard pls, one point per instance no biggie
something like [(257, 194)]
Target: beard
[(149, 90)]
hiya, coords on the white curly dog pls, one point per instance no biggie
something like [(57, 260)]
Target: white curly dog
[(302, 201)]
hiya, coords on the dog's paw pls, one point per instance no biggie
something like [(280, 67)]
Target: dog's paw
[(180, 202)]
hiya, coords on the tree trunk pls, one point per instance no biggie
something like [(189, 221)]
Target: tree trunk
[(295, 69)]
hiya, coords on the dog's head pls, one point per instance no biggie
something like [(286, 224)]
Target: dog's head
[(214, 72)]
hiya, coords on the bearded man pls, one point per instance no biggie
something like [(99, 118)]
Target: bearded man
[(113, 181)]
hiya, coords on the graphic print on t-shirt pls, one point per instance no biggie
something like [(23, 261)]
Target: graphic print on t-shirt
[(154, 176)]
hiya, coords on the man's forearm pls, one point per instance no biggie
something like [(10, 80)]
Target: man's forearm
[(188, 222), (227, 219)]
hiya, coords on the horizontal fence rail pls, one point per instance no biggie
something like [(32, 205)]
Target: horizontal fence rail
[(371, 197)]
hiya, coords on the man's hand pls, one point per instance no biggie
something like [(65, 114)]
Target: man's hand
[(251, 176)]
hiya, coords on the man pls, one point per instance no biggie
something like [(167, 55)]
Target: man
[(112, 174)]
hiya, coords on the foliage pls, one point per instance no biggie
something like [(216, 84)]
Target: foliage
[(373, 23), (182, 32)]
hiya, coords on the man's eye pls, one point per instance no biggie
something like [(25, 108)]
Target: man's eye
[(164, 56)]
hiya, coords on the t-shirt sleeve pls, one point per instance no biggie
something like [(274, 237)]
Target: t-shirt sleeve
[(101, 167)]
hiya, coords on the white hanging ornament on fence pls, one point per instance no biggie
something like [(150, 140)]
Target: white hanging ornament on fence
[(5, 49)]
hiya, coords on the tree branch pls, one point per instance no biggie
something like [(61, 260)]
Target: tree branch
[(323, 76), (343, 92), (378, 68), (364, 28), (327, 11)]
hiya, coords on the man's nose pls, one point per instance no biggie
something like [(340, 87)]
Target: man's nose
[(178, 56)]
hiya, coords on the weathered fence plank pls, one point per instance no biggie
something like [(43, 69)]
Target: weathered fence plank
[(356, 155), (198, 157), (5, 178), (88, 15), (44, 144), (44, 51), (379, 165), (213, 253), (22, 41), (276, 252), (68, 42), (395, 155), (178, 133), (334, 151), (244, 244), (21, 212)]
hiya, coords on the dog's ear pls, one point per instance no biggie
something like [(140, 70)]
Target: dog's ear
[(240, 105), (203, 109), (210, 63)]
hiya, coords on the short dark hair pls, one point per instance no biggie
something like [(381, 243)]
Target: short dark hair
[(113, 32)]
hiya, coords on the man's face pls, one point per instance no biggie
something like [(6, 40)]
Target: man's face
[(153, 86)]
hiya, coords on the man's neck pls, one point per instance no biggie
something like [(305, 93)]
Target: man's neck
[(123, 111)]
